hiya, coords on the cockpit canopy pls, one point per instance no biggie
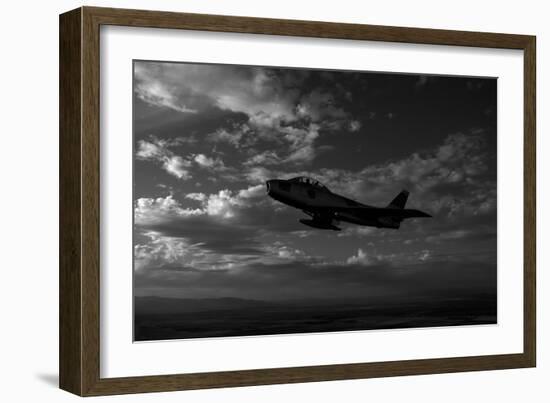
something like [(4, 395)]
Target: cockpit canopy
[(309, 181)]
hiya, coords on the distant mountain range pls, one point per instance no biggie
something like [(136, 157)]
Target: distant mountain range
[(164, 305), (154, 305)]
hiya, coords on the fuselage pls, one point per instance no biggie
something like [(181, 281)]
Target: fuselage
[(311, 197)]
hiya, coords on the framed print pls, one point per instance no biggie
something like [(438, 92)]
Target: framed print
[(249, 201)]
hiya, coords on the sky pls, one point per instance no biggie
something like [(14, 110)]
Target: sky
[(207, 137)]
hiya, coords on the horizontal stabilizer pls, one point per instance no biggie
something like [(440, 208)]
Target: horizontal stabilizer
[(407, 213)]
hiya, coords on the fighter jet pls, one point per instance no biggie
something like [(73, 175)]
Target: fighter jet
[(327, 209)]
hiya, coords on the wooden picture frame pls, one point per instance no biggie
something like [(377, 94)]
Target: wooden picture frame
[(80, 184)]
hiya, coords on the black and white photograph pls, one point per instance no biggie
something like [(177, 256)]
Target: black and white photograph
[(276, 200)]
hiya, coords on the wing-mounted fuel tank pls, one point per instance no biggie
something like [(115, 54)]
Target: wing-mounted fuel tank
[(320, 224)]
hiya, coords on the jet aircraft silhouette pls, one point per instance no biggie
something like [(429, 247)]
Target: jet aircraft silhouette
[(327, 209)]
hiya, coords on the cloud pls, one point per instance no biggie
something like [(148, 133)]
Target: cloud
[(449, 235), (272, 100), (360, 258), (225, 223), (258, 174), (196, 196), (156, 150), (354, 126), (159, 251), (320, 105), (248, 209), (357, 231), (215, 164), (258, 92), (149, 210), (286, 252), (252, 192), (176, 166), (267, 157), (153, 210), (424, 255), (301, 141), (231, 135), (157, 93)]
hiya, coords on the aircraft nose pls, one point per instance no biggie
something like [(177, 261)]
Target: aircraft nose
[(267, 186)]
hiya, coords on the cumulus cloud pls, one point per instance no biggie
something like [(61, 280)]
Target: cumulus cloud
[(285, 252), (156, 150), (215, 164), (221, 205), (196, 196), (226, 223), (152, 210), (360, 258), (159, 251), (245, 208)]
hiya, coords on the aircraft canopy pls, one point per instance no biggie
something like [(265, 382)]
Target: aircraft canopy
[(309, 181)]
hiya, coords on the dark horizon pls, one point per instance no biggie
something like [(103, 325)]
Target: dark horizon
[(160, 318), (207, 137)]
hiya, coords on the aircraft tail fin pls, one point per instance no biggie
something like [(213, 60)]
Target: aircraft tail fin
[(400, 200)]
